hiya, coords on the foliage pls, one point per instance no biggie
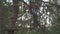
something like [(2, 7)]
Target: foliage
[(53, 29)]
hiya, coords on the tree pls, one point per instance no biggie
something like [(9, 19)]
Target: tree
[(3, 16), (13, 18)]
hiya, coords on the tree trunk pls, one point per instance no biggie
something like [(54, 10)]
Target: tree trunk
[(3, 18), (13, 19)]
